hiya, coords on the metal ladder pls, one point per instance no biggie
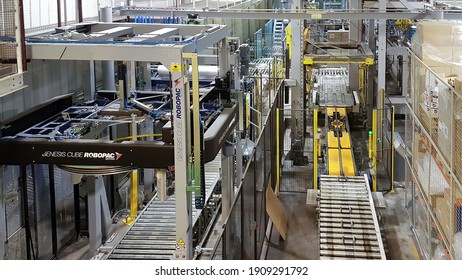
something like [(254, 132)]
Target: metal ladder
[(152, 236), (348, 225)]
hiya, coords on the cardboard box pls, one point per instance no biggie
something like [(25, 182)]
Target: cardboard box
[(338, 35)]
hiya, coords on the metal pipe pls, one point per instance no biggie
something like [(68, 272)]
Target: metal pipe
[(65, 12), (108, 66), (59, 12), (79, 10)]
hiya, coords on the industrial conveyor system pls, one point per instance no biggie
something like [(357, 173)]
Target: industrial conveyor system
[(152, 236), (348, 225)]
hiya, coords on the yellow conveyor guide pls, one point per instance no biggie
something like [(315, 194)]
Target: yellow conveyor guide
[(333, 163), (341, 111), (332, 141)]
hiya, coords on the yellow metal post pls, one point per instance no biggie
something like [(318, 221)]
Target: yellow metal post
[(133, 197), (278, 163), (133, 182), (374, 149), (315, 149), (392, 148)]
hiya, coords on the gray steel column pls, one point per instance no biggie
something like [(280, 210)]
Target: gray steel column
[(99, 218), (2, 217), (381, 71), (131, 77), (371, 74), (227, 185), (355, 35), (148, 178), (182, 150), (88, 70), (297, 92), (146, 66), (405, 77), (382, 52), (108, 66)]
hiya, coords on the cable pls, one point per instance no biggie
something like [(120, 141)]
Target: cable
[(137, 136)]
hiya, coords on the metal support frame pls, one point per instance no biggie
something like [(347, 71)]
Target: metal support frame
[(182, 150), (355, 36), (299, 14), (297, 93), (99, 217), (170, 55), (3, 236), (382, 52), (374, 150)]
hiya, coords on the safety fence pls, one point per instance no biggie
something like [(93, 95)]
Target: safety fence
[(244, 230), (7, 38), (434, 162)]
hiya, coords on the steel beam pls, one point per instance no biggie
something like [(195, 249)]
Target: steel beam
[(297, 14), (108, 66), (99, 218)]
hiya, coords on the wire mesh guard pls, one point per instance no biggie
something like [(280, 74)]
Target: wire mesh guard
[(433, 139), (7, 38), (297, 172)]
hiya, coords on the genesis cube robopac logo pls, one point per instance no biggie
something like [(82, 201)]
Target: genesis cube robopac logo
[(85, 155)]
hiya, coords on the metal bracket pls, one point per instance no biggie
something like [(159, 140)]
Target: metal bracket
[(11, 84)]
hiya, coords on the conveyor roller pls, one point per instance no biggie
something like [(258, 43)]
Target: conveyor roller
[(348, 226)]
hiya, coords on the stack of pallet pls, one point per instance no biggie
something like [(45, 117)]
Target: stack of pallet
[(439, 45)]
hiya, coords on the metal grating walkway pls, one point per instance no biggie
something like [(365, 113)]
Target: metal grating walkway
[(152, 236), (348, 226)]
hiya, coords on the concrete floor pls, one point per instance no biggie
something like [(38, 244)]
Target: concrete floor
[(302, 241), (302, 234)]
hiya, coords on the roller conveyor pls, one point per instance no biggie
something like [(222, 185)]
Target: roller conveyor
[(152, 236), (348, 226)]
